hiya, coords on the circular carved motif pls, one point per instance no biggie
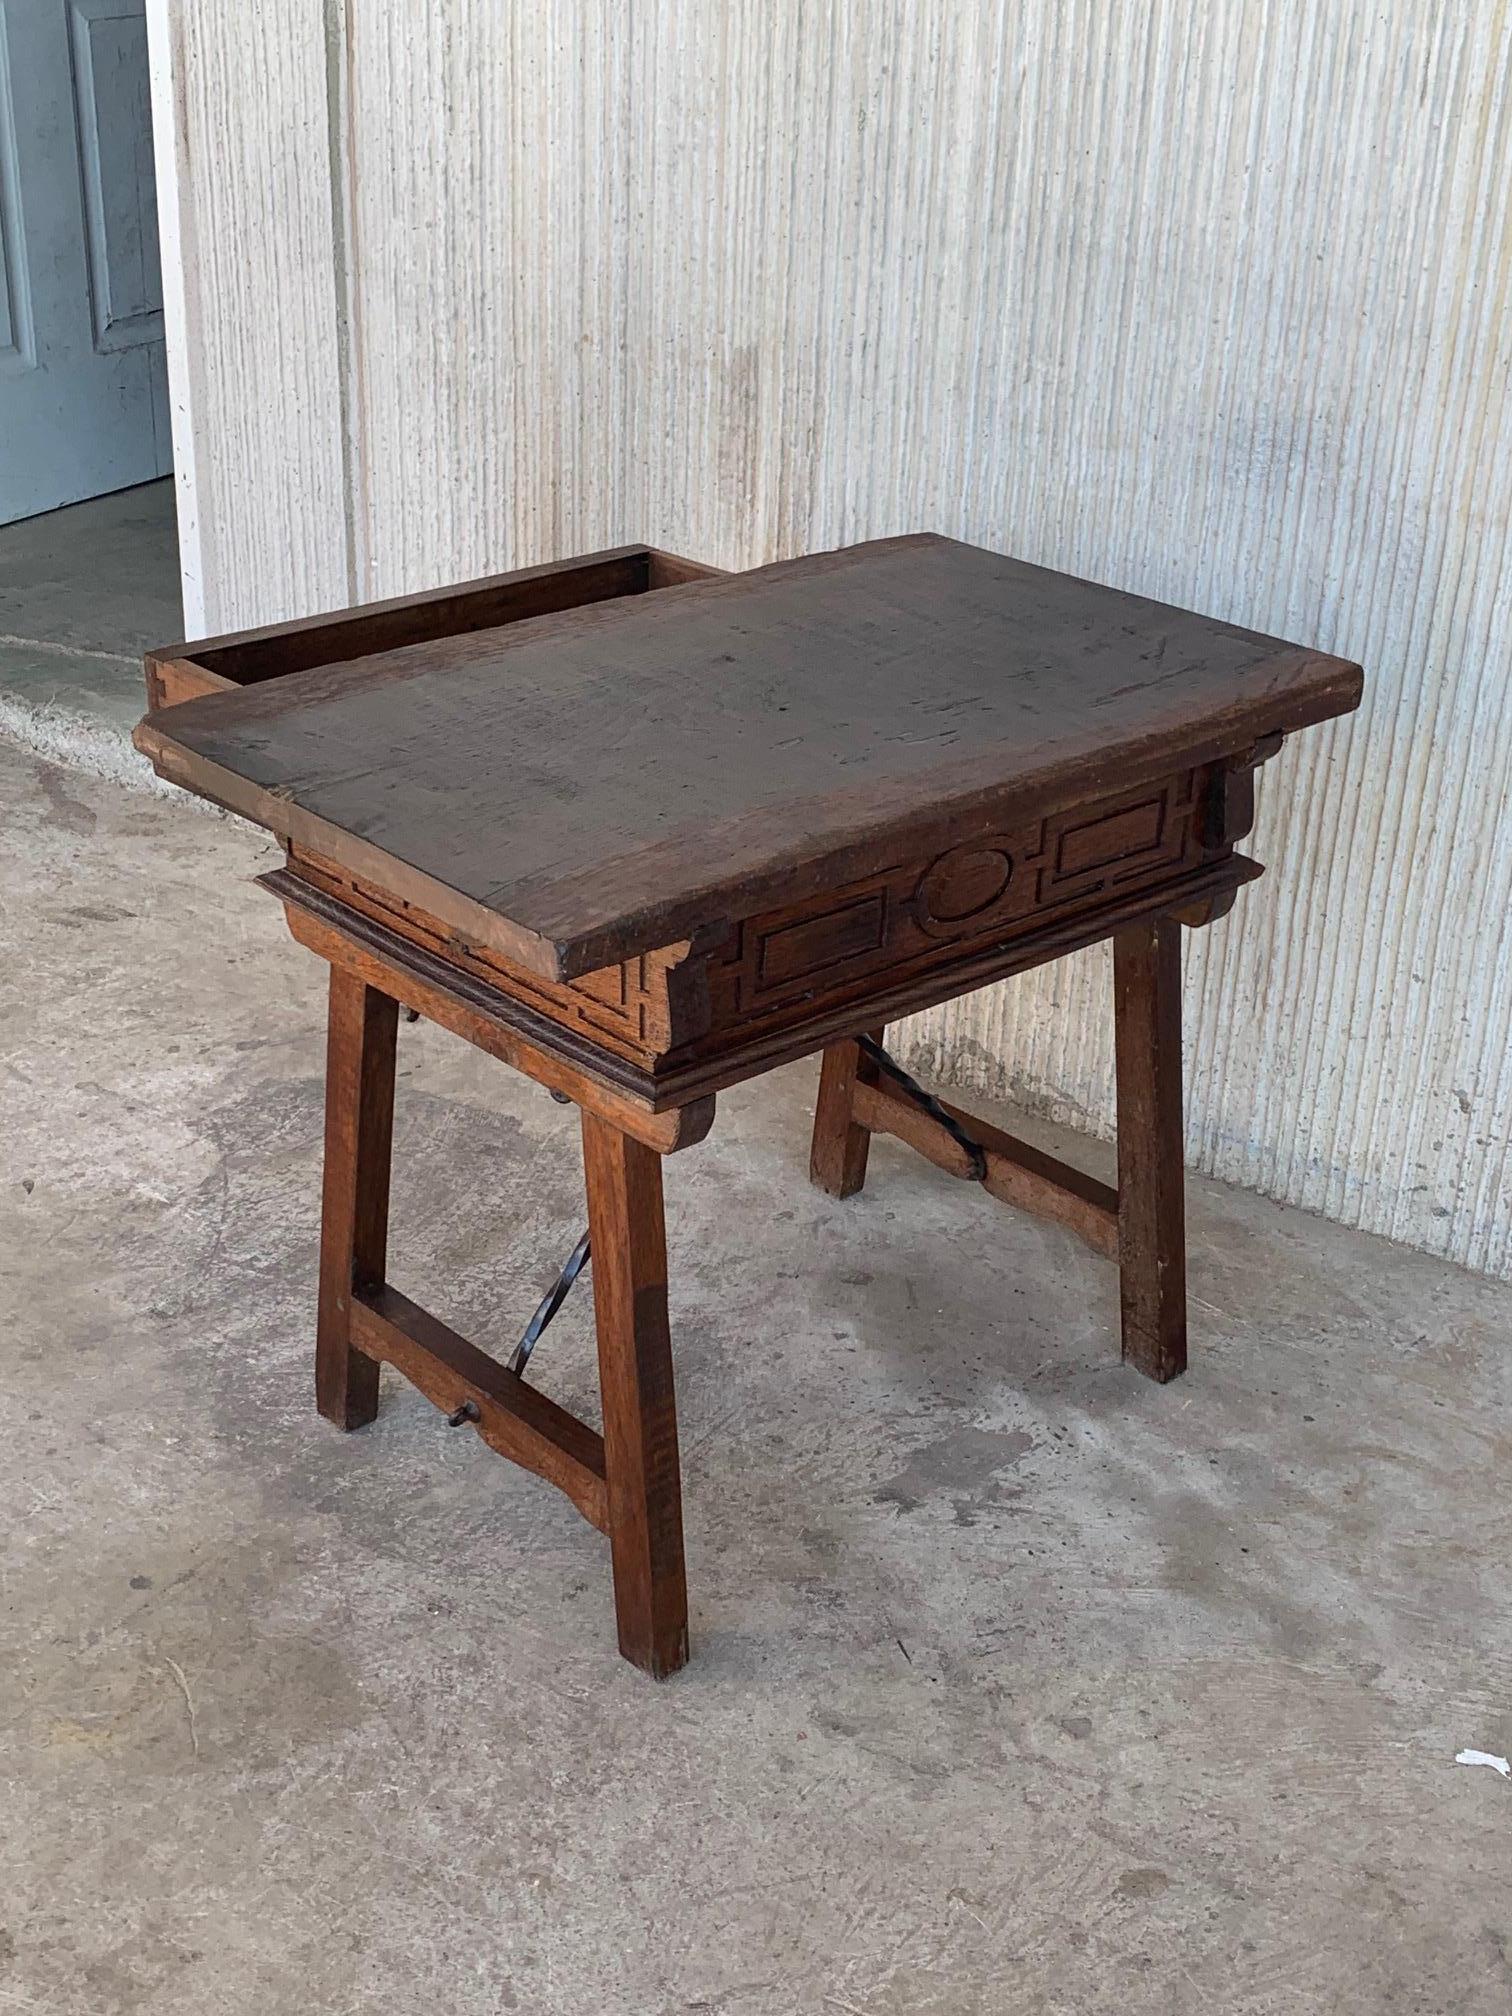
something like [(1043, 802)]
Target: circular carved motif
[(960, 886)]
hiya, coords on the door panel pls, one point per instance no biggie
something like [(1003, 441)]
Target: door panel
[(83, 389), (14, 331), (113, 112)]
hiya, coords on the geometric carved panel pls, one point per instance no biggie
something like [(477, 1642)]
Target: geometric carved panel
[(842, 932), (902, 924), (916, 914), (1125, 836), (113, 118), (627, 1008)]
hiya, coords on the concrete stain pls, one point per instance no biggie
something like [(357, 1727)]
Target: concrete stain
[(65, 810), (964, 1464), (1143, 1884)]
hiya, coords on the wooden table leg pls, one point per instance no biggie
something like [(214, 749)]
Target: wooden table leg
[(1151, 1203), (837, 1158), (640, 1409), (359, 1131)]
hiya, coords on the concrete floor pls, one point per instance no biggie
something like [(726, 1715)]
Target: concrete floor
[(1018, 1684), (83, 593)]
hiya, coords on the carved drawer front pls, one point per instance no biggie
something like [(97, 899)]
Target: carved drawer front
[(625, 1008), (915, 915), (668, 1009)]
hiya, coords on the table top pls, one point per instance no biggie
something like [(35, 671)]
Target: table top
[(593, 784)]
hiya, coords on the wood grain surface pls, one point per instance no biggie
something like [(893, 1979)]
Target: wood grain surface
[(591, 785)]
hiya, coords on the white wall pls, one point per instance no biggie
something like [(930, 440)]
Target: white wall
[(1211, 303)]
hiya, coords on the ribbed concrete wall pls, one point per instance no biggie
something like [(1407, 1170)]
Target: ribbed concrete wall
[(1209, 303)]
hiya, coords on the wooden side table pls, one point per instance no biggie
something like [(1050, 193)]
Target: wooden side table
[(642, 831)]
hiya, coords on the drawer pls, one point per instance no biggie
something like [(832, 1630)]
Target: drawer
[(218, 664)]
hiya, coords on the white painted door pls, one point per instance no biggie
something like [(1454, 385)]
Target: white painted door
[(83, 388)]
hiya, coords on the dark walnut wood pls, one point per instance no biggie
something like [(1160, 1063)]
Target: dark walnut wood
[(677, 1024), (1016, 1173), (511, 1416), (470, 1008), (635, 1381), (587, 785), (180, 672), (838, 1154), (1151, 1206), (354, 1210), (641, 831)]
